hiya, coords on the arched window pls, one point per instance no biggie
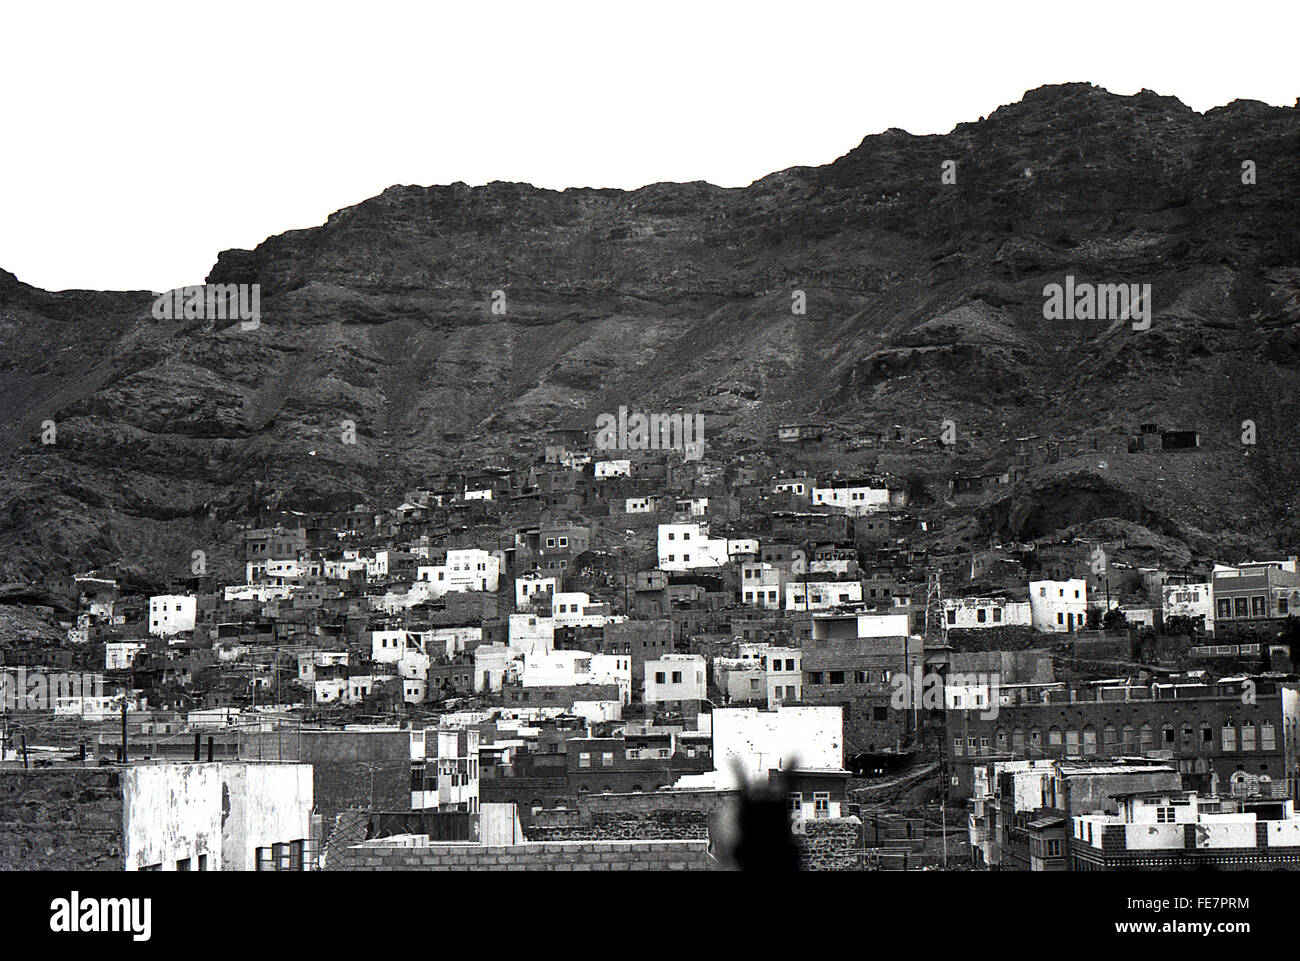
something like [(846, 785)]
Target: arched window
[(1166, 737), (1018, 740), (1147, 738), (1228, 736), (1109, 738), (1035, 741), (1071, 740), (1000, 739), (1186, 738), (1054, 738), (1089, 739), (1128, 739)]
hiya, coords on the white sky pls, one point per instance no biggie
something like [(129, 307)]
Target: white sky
[(140, 139)]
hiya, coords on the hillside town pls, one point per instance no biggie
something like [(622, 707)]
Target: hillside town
[(591, 660)]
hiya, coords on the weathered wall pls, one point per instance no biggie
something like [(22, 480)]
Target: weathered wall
[(549, 856), (262, 805), (62, 819), (172, 812), (351, 769)]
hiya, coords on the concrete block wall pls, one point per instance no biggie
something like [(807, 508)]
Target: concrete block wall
[(61, 819)]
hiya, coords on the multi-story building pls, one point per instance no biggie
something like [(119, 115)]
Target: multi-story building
[(675, 679), (1213, 733), (1059, 606), (762, 585), (172, 614), (1180, 830), (852, 661), (1254, 595), (684, 547)]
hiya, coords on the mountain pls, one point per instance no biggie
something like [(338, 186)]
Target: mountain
[(924, 304)]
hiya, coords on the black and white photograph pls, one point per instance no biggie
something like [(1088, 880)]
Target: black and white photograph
[(443, 443)]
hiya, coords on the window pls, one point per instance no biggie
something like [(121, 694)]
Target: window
[(1164, 815), (1147, 742), (1267, 741), (183, 864), (1229, 737), (677, 677), (1225, 608), (1248, 736), (1053, 847), (822, 803), (607, 758), (584, 759), (1258, 607), (203, 862), (837, 677), (1240, 607), (661, 677)]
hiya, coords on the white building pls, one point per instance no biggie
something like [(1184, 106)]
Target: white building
[(529, 586), (742, 547), (973, 613), (749, 743), (613, 468), (640, 505), (220, 816), (821, 595), (578, 668), (675, 677), (120, 655), (851, 496), (172, 614), (762, 585), (531, 634), (466, 569), (684, 547), (784, 675), (1059, 606)]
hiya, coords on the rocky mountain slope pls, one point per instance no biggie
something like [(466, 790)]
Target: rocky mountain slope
[(924, 302)]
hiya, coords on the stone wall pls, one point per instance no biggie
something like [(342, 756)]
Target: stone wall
[(61, 819), (533, 856), (628, 817), (831, 844)]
